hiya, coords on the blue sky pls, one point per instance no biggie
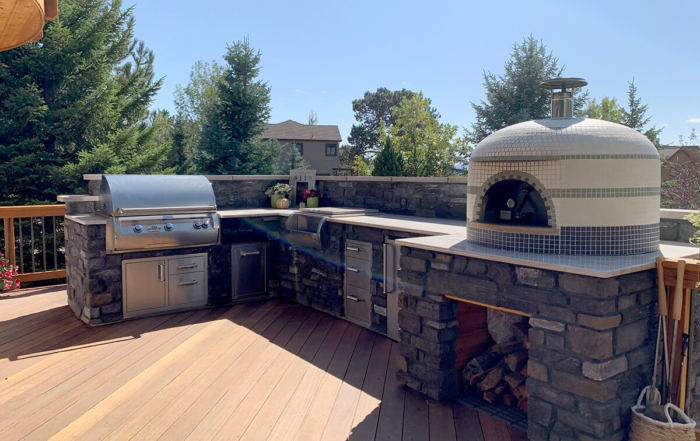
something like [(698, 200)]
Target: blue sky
[(322, 55)]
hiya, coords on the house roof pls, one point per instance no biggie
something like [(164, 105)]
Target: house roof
[(671, 150), (294, 131)]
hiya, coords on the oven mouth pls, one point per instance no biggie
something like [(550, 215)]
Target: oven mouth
[(515, 203)]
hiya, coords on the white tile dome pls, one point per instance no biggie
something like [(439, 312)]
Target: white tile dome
[(563, 136)]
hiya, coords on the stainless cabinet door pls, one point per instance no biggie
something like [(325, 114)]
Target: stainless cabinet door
[(187, 289), (249, 277), (144, 285)]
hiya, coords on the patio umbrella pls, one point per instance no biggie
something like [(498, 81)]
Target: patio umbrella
[(22, 21)]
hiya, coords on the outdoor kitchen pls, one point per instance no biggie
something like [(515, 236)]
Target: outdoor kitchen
[(527, 290)]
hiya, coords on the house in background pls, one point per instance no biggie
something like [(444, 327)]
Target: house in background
[(317, 144), (676, 155)]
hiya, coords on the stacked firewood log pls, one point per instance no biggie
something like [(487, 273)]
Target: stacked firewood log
[(500, 372)]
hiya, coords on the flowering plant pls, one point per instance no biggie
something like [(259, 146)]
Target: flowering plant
[(279, 189), (306, 193), (7, 272)]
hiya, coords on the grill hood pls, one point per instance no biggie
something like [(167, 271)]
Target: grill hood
[(133, 195)]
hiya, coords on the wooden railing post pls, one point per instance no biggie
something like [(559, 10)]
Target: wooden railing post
[(9, 227)]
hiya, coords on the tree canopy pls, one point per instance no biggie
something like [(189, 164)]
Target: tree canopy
[(516, 96), (231, 139), (76, 102)]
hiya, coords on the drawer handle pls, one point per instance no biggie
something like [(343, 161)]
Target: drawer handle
[(191, 265), (193, 282), (354, 270), (355, 299), (353, 249), (252, 253)]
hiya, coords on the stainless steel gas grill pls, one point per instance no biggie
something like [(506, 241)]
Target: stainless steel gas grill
[(151, 212)]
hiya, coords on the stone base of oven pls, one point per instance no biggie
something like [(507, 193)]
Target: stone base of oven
[(592, 338)]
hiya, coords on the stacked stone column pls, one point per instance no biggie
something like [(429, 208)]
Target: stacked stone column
[(592, 338)]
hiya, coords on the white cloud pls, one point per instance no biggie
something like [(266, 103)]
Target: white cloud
[(694, 120), (663, 126)]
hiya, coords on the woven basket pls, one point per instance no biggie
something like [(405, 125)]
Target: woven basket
[(648, 429)]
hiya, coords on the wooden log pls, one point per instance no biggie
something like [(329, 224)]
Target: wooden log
[(516, 360), (516, 392), (508, 347), (523, 371), (484, 362), (501, 387), (523, 390), (476, 378), (521, 330), (509, 400), (515, 379), (522, 404), (490, 396), (492, 379)]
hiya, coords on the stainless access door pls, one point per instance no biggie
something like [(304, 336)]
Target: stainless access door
[(145, 286), (249, 276), (392, 258)]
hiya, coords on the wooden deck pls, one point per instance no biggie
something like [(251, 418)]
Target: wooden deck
[(263, 371)]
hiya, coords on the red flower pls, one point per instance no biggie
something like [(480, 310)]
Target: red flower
[(17, 284), (8, 273)]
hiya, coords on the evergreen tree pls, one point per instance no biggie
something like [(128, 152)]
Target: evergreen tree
[(67, 102), (293, 161), (232, 126), (389, 161), (516, 95), (635, 116)]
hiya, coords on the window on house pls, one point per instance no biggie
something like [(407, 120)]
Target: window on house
[(300, 147), (331, 149)]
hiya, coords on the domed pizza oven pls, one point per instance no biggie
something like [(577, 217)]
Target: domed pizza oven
[(565, 185)]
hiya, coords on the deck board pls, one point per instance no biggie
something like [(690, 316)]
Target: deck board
[(262, 371)]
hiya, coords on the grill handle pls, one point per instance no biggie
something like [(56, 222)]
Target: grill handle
[(355, 249), (167, 210), (355, 299), (252, 253), (193, 282), (161, 272), (354, 270), (190, 266)]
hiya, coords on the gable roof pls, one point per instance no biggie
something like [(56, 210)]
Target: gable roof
[(667, 152), (294, 131)]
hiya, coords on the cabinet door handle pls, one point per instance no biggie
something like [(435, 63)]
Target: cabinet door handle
[(354, 270), (191, 265), (252, 253), (355, 299), (353, 249), (193, 282), (161, 272)]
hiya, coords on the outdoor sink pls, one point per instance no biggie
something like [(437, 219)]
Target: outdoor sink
[(304, 227)]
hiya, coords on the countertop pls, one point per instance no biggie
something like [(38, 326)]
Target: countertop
[(449, 236)]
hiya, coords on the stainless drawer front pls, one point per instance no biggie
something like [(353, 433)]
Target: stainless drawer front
[(187, 288), (358, 250), (358, 273), (357, 305), (186, 265)]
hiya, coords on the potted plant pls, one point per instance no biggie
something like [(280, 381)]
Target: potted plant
[(310, 197), (7, 273), (279, 194)]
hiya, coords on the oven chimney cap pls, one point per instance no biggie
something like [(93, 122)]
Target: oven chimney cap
[(563, 100), (563, 83)]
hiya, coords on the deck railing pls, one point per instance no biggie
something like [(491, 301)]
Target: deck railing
[(34, 240)]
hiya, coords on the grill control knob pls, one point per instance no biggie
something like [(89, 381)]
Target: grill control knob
[(168, 226), (197, 225), (138, 228), (205, 224)]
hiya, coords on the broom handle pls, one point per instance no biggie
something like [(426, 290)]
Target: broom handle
[(678, 296), (684, 362), (662, 305)]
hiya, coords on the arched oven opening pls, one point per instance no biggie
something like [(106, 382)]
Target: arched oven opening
[(514, 202)]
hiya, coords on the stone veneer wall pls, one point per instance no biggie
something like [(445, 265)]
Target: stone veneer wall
[(428, 197), (592, 338)]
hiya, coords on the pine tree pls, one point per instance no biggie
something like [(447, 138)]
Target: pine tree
[(68, 101), (516, 95), (231, 140), (635, 116), (389, 161), (293, 161)]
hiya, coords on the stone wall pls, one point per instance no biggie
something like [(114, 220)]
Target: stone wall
[(592, 338), (428, 197)]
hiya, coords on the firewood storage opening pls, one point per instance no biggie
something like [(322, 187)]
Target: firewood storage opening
[(491, 365)]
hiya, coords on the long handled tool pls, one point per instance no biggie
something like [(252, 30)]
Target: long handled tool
[(653, 394), (676, 314), (680, 393)]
